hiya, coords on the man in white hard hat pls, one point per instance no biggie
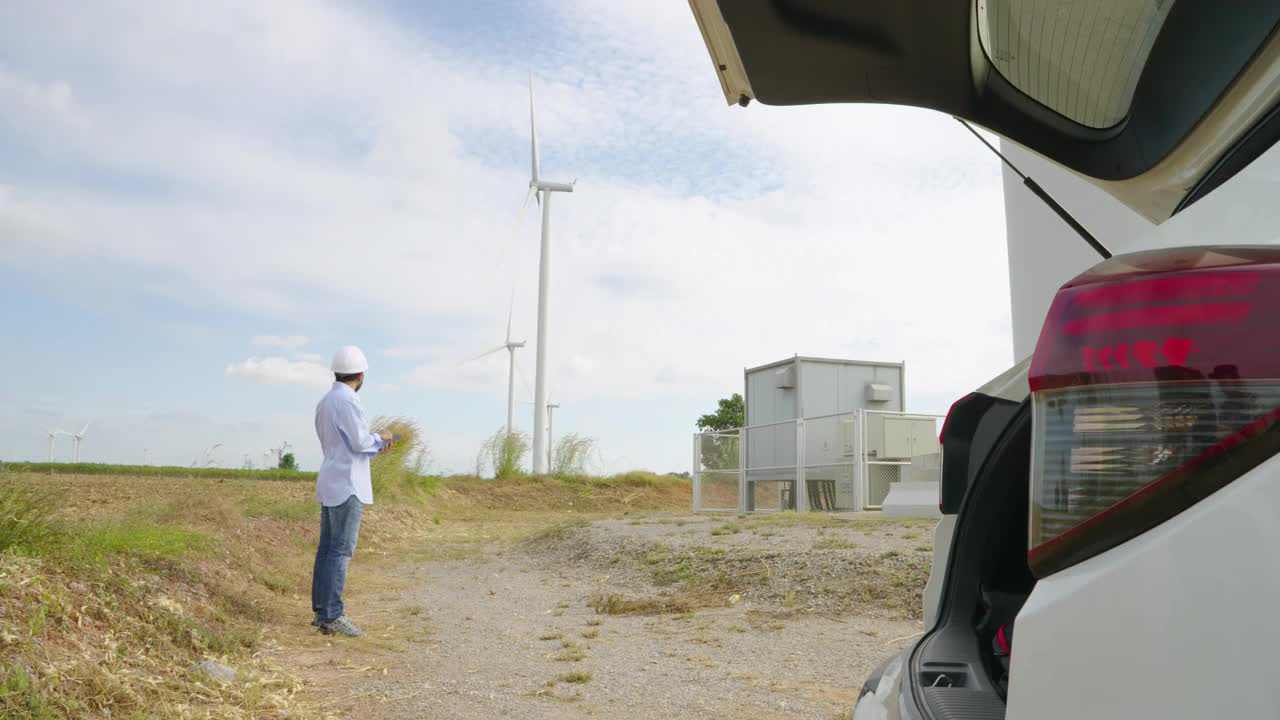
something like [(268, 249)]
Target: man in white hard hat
[(343, 486)]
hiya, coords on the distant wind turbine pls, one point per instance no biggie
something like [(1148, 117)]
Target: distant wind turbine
[(551, 408), (53, 434), (541, 190), (510, 346), (76, 438)]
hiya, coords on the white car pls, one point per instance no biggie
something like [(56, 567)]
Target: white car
[(1115, 499)]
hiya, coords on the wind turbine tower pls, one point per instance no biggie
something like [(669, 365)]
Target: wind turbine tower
[(541, 190)]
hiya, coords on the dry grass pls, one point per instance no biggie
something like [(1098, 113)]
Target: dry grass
[(696, 593), (109, 597), (577, 677), (571, 652), (618, 493)]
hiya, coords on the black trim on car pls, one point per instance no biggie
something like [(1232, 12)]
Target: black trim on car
[(1249, 148)]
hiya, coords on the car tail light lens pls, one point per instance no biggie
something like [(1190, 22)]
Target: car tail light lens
[(1156, 382)]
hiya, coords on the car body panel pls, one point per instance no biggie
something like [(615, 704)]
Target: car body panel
[(1177, 623)]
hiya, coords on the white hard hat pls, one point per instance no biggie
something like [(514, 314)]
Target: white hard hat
[(349, 361)]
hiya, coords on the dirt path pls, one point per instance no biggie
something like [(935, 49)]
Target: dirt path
[(507, 632)]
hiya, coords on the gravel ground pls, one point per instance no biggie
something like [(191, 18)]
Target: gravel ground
[(498, 635)]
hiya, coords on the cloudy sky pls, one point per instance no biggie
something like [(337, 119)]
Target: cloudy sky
[(199, 202)]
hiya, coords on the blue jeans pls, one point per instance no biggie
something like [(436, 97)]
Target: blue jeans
[(339, 528)]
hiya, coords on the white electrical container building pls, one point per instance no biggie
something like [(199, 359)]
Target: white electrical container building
[(827, 394)]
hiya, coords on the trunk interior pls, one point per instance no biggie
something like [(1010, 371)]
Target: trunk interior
[(959, 671)]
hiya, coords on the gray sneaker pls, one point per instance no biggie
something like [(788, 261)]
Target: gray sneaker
[(341, 626)]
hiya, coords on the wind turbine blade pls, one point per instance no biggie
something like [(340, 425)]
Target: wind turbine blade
[(511, 308), (484, 354), (84, 429), (533, 134)]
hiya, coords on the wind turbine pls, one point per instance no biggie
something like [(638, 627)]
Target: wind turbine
[(541, 190), (76, 438), (510, 346), (551, 408), (52, 435)]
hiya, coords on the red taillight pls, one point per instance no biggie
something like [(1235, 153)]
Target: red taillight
[(1156, 381), (942, 434)]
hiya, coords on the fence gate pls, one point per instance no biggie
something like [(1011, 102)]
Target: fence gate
[(897, 447), (717, 470)]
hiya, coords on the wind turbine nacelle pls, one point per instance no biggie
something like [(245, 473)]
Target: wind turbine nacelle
[(554, 186)]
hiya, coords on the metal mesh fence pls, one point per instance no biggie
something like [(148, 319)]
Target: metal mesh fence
[(831, 488), (719, 490), (880, 478), (844, 462), (772, 495), (717, 462)]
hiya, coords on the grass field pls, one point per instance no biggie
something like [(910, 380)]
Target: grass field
[(115, 580), (154, 471)]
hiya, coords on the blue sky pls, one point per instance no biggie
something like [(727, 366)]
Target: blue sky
[(198, 204)]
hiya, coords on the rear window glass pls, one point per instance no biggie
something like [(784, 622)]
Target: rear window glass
[(1081, 59)]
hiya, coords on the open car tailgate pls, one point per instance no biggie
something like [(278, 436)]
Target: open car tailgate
[(1152, 100)]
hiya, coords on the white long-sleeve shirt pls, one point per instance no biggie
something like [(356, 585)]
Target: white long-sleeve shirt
[(347, 443)]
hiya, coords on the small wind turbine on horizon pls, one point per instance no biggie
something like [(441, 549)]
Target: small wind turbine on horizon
[(76, 438), (551, 408), (53, 434), (510, 346), (540, 190)]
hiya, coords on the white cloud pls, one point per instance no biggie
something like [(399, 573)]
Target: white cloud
[(286, 343), (279, 370), (577, 367)]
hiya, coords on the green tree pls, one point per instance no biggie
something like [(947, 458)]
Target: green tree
[(730, 414), (720, 452), (288, 462)]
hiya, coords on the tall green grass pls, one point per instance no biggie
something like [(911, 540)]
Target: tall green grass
[(503, 453), (26, 514), (573, 454)]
